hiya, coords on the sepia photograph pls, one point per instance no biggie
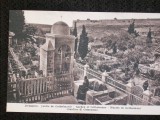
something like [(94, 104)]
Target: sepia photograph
[(83, 58)]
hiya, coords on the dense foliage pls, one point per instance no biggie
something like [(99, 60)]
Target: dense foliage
[(22, 31), (16, 22)]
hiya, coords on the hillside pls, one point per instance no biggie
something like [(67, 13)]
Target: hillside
[(100, 29), (118, 22), (99, 32)]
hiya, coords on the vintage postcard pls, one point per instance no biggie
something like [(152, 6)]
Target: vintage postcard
[(83, 62)]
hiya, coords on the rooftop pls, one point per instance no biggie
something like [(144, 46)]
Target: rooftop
[(60, 28)]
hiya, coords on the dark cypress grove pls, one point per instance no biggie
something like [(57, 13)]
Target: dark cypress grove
[(83, 43)]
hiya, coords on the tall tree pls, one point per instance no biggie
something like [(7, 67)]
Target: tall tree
[(83, 43), (75, 34), (149, 35), (16, 22), (114, 47), (131, 28), (149, 38)]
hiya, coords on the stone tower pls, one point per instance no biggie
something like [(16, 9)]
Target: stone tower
[(56, 55)]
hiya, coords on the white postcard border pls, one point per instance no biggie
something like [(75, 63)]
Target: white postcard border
[(86, 109)]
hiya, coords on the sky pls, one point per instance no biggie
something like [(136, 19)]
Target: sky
[(50, 17)]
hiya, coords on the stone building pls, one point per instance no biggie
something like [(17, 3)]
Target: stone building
[(56, 55)]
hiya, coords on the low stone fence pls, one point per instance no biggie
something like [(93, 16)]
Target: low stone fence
[(133, 98)]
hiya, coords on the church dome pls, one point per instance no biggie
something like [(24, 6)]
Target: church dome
[(60, 28)]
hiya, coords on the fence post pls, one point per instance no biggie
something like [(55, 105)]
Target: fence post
[(86, 66), (71, 71), (11, 34), (104, 76), (129, 89), (147, 96)]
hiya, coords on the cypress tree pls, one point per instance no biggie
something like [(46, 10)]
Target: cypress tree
[(114, 48), (149, 38), (149, 35), (131, 28), (75, 34), (83, 43)]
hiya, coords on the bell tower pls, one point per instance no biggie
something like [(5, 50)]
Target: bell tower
[(56, 55)]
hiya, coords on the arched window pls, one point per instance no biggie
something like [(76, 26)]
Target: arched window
[(63, 59)]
